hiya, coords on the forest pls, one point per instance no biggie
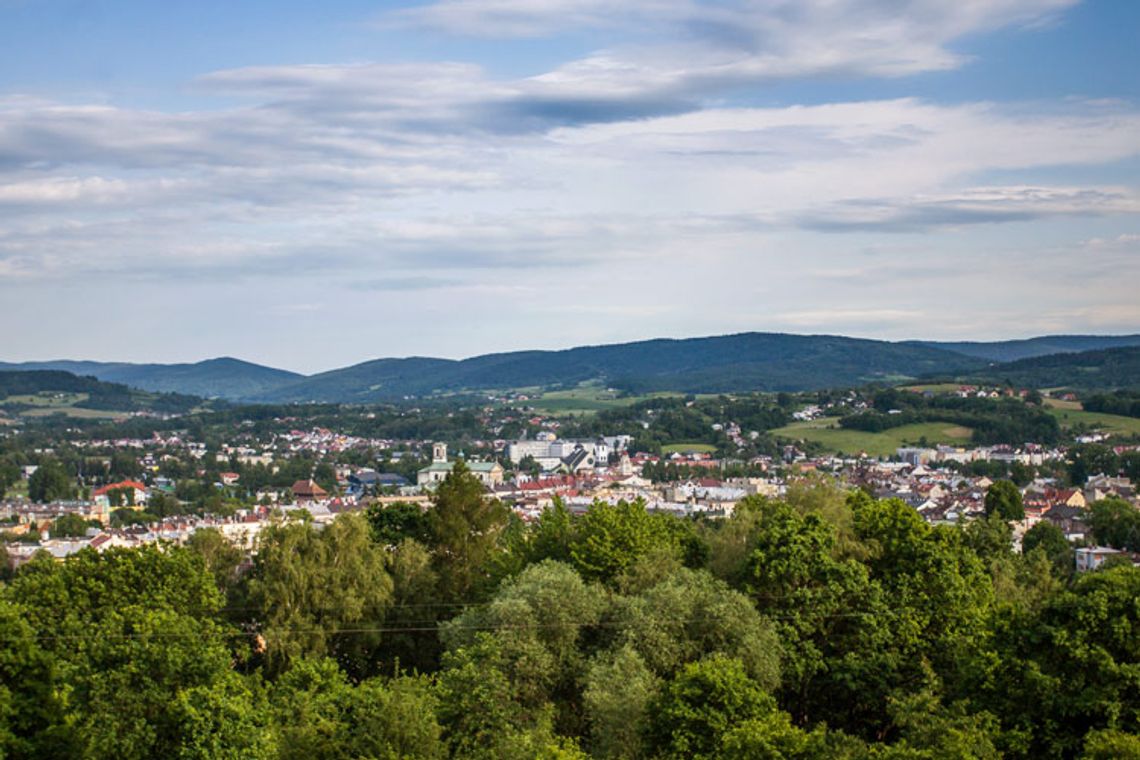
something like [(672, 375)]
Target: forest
[(822, 624)]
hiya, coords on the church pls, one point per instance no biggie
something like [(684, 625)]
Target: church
[(489, 473)]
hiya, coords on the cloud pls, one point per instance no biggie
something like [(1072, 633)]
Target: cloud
[(982, 205), (688, 47)]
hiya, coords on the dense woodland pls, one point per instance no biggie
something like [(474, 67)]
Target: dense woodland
[(824, 624)]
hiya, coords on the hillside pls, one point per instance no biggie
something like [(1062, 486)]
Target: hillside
[(39, 393), (213, 378), (726, 363), (1013, 350), (1110, 368), (747, 361)]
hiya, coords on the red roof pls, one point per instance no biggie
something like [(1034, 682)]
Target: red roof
[(124, 484)]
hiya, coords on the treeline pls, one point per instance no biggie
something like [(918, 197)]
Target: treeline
[(819, 625), (1126, 403), (994, 421)]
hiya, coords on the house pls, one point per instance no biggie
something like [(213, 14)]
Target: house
[(489, 473), (305, 491), (1091, 557), (365, 480), (1071, 520), (125, 493), (229, 478), (1070, 497)]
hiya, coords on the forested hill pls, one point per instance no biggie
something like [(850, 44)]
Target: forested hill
[(1012, 350), (751, 361), (213, 378), (46, 391), (1110, 368), (747, 361)]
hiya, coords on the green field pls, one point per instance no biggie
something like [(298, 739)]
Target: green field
[(1108, 423), (67, 404), (587, 398), (687, 448), (827, 433)]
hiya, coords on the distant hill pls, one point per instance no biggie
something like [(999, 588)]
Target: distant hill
[(1012, 350), (44, 392), (1089, 370), (747, 361), (726, 363), (226, 378)]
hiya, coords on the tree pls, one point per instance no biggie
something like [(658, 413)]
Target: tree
[(32, 722), (619, 689), (71, 525), (317, 593), (1069, 667), (1050, 540), (540, 621), (218, 553), (1115, 523), (609, 539), (318, 713), (465, 526), (1111, 745), (698, 707), (1004, 499), (49, 482), (397, 522), (485, 709), (689, 615)]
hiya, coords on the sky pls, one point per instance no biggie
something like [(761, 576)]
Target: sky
[(312, 185)]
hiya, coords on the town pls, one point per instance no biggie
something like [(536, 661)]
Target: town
[(243, 475)]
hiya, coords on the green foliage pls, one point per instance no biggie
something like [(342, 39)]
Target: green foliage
[(319, 713), (931, 731), (465, 525), (71, 525), (690, 614), (49, 482), (706, 699), (1068, 667), (393, 524), (824, 624), (1111, 745), (610, 539), (219, 555), (1115, 523), (1047, 538), (31, 709), (618, 691), (317, 593), (1004, 499)]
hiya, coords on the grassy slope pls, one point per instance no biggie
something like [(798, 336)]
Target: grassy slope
[(827, 432), (684, 448), (1108, 423)]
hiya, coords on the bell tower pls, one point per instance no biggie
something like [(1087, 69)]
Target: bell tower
[(439, 452)]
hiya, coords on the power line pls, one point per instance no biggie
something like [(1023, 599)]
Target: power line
[(417, 628)]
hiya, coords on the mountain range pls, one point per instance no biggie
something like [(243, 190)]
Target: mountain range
[(740, 362)]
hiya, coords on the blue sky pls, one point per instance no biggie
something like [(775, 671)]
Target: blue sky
[(311, 185)]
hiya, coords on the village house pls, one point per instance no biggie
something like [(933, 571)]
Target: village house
[(131, 493), (307, 491)]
